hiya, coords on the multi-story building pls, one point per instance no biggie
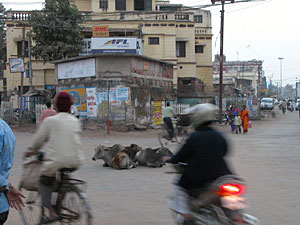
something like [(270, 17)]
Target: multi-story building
[(245, 76), (168, 32)]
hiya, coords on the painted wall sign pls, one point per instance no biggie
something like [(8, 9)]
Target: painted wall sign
[(157, 112), (76, 69), (91, 102), (78, 94), (100, 31)]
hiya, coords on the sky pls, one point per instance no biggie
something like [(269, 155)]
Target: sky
[(262, 30)]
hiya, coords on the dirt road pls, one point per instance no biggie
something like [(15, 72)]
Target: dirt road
[(267, 157)]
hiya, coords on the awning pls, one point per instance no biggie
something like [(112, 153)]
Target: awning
[(182, 39)]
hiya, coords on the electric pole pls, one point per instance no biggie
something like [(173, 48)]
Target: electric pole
[(22, 77), (280, 58)]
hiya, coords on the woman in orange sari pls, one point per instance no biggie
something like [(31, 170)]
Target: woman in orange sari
[(245, 118)]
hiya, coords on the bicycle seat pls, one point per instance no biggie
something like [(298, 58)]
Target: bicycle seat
[(67, 170)]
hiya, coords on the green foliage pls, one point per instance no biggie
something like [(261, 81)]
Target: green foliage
[(2, 39), (56, 31)]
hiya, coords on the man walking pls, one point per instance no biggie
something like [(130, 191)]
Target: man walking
[(9, 195), (167, 115), (47, 112)]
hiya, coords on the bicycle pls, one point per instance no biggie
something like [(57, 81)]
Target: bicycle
[(179, 133), (68, 199)]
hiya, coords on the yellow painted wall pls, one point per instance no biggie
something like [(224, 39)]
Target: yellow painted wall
[(206, 75), (84, 5)]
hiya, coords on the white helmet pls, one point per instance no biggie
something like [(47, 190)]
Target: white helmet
[(203, 113)]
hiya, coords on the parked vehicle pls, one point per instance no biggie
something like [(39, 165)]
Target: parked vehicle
[(266, 103), (297, 104)]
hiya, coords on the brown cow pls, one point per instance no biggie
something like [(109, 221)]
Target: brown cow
[(125, 158)]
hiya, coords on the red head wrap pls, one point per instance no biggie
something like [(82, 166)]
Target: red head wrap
[(63, 102)]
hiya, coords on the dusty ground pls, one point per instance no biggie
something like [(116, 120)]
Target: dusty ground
[(267, 157)]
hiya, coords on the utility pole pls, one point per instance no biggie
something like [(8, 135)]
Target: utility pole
[(221, 56), (22, 77), (280, 58), (29, 65)]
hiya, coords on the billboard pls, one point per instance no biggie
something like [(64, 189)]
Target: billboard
[(100, 31), (76, 69), (115, 45), (16, 65), (86, 47), (157, 112), (79, 96)]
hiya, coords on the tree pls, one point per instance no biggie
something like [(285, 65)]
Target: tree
[(2, 39), (56, 31)]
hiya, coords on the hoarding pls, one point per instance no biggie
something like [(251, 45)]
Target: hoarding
[(16, 65), (114, 45), (78, 95), (100, 31), (91, 102), (86, 47), (157, 112), (76, 69)]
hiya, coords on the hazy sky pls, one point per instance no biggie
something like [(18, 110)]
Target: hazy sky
[(262, 30)]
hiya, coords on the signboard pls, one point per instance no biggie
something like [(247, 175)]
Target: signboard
[(78, 95), (157, 112), (114, 45), (91, 102), (100, 31), (76, 69), (86, 47), (16, 65)]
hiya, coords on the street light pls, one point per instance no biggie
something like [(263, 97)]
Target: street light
[(281, 58), (221, 55)]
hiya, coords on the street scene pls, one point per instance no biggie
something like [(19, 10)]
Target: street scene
[(148, 112), (140, 196)]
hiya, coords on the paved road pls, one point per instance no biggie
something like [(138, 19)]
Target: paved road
[(267, 157)]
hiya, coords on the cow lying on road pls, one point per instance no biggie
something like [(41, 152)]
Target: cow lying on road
[(117, 156), (107, 153), (153, 157), (125, 158)]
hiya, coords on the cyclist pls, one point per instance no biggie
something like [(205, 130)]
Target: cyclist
[(61, 136), (167, 115), (204, 153)]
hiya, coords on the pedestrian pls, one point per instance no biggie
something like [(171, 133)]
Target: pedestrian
[(245, 118), (237, 123), (61, 136), (167, 115), (74, 111), (9, 195), (283, 106), (231, 118), (47, 112)]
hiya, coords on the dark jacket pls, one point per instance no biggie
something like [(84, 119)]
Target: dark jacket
[(204, 151)]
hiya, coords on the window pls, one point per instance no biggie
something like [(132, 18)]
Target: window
[(180, 48), (198, 19), (153, 41), (103, 4), (19, 49), (120, 4), (199, 49)]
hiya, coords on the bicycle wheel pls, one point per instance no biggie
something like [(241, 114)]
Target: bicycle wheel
[(31, 214), (75, 208), (163, 137)]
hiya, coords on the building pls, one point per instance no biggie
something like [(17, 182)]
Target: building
[(166, 32), (131, 83), (243, 76)]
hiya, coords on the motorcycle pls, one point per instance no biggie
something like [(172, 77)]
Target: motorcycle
[(222, 203), (290, 107)]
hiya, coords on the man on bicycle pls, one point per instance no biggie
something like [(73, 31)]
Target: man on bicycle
[(61, 136), (167, 115)]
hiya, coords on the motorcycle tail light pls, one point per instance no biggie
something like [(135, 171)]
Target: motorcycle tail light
[(231, 189)]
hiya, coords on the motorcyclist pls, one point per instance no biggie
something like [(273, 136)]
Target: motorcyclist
[(204, 153), (61, 136)]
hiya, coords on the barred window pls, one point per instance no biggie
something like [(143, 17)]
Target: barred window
[(103, 4)]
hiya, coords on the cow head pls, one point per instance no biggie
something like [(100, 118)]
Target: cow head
[(99, 152), (163, 151)]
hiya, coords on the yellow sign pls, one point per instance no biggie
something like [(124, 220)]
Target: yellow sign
[(78, 95), (100, 31), (157, 112)]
